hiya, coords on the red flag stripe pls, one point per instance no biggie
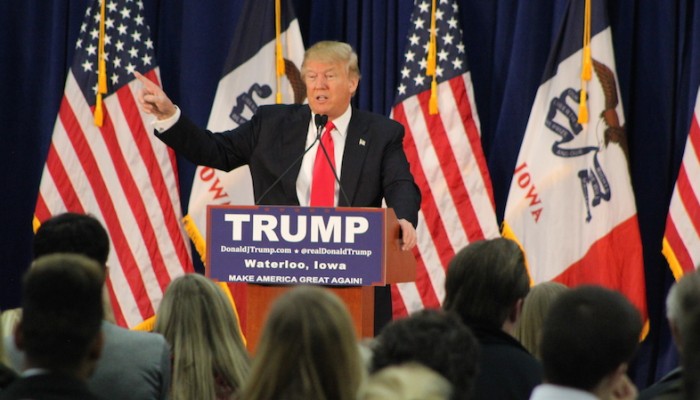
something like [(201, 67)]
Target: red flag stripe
[(42, 212), (76, 136), (65, 190), (472, 209), (678, 245), (464, 107), (689, 200), (157, 187), (428, 207), (135, 200), (119, 317)]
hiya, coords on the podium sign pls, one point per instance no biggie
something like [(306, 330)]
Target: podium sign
[(296, 245)]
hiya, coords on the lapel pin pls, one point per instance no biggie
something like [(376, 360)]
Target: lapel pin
[(362, 142)]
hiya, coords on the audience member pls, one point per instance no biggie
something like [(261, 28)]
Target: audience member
[(486, 284), (307, 350), (60, 328), (409, 381), (589, 336), (436, 339), (134, 365), (209, 358), (535, 307), (7, 374), (691, 355), (682, 298)]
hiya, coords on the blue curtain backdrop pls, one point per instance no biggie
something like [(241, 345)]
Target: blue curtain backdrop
[(657, 45)]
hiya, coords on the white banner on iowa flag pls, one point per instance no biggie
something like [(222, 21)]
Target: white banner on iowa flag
[(445, 154), (249, 80), (681, 244), (118, 172), (571, 204)]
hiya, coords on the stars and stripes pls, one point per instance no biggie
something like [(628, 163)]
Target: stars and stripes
[(444, 151), (118, 172), (681, 244)]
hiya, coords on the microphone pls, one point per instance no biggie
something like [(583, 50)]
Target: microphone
[(324, 119), (320, 122)]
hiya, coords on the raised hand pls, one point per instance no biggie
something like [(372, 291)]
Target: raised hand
[(153, 99)]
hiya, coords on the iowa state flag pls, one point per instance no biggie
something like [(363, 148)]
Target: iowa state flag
[(571, 204), (444, 150), (262, 68), (681, 244)]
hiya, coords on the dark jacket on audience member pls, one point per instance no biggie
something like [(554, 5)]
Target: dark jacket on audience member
[(506, 369), (48, 386)]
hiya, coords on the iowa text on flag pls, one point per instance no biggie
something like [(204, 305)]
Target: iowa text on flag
[(681, 244), (250, 79), (571, 204), (118, 171), (444, 150)]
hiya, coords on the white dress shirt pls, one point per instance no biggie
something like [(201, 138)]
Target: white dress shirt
[(548, 391)]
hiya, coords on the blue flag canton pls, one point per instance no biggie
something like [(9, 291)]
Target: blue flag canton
[(127, 46), (451, 58)]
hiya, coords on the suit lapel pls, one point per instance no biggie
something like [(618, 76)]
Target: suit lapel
[(356, 144), (291, 147)]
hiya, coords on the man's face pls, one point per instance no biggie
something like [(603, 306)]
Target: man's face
[(329, 87)]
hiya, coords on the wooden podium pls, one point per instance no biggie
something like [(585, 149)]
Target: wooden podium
[(394, 266)]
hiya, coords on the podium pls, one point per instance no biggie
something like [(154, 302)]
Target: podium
[(349, 250)]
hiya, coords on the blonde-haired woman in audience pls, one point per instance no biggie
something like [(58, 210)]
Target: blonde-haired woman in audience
[(307, 350), (535, 308), (209, 358), (407, 381)]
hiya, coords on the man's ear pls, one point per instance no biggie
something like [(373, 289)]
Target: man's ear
[(676, 334), (516, 311), (19, 337), (95, 350)]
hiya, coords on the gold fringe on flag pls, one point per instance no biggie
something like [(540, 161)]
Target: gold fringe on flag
[(586, 65), (507, 232), (278, 50), (431, 69), (673, 262), (101, 69), (35, 224), (196, 237)]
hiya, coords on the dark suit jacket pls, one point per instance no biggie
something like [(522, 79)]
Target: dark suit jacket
[(374, 163), (49, 386)]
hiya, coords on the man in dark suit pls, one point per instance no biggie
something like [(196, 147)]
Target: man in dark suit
[(60, 328), (280, 142)]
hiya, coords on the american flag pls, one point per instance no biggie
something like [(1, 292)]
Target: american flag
[(118, 171), (445, 153), (681, 244)]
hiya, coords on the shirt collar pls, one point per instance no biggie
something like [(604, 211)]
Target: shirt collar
[(341, 123)]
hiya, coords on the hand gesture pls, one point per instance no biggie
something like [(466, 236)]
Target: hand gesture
[(408, 235), (153, 99)]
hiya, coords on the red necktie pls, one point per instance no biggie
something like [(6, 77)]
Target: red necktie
[(323, 180)]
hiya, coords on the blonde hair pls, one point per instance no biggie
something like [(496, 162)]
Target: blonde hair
[(196, 318), (409, 381), (307, 350), (329, 51), (535, 308)]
